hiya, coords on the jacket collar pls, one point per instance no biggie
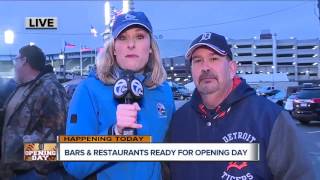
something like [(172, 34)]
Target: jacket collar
[(240, 90)]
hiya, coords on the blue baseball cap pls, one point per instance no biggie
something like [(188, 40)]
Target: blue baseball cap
[(131, 18), (216, 42)]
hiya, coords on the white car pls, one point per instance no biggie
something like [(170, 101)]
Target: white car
[(274, 95), (289, 102)]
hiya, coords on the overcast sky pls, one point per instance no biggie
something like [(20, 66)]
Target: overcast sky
[(172, 19)]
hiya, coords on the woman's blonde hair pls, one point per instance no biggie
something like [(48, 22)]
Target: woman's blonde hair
[(107, 66)]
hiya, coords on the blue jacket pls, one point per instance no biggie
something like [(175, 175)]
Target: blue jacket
[(94, 107), (241, 117)]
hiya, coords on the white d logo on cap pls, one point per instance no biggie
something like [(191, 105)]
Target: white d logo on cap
[(205, 36), (128, 17)]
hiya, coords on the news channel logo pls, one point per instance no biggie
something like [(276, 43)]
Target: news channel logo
[(41, 23), (40, 151)]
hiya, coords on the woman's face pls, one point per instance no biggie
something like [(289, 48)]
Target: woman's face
[(132, 49)]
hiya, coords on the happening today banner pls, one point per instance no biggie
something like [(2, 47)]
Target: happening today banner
[(136, 148)]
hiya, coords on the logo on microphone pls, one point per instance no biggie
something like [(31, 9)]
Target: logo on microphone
[(128, 90), (136, 88), (120, 88)]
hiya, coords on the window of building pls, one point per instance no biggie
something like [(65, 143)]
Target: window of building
[(244, 46), (264, 55), (263, 46), (305, 47), (285, 47), (305, 55), (285, 63), (284, 55), (245, 62), (180, 61), (305, 64), (244, 54), (265, 63), (166, 62)]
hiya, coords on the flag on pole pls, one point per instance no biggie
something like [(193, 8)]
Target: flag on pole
[(69, 45), (85, 49)]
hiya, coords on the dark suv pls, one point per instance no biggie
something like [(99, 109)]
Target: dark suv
[(306, 106)]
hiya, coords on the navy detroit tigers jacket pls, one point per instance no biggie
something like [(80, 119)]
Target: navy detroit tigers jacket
[(241, 117)]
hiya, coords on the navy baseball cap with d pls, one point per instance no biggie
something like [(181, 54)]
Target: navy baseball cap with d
[(128, 19), (212, 40)]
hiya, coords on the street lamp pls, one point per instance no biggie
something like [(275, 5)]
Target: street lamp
[(61, 56), (93, 31), (107, 20), (9, 36), (9, 39)]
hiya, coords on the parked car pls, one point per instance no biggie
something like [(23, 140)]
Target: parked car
[(70, 86), (262, 91), (180, 92), (274, 95), (306, 106)]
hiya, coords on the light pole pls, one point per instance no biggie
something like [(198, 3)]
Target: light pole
[(107, 20), (127, 5), (9, 39), (110, 13), (274, 54), (62, 67), (61, 56)]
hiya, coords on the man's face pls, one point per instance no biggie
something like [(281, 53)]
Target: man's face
[(211, 72), (19, 63)]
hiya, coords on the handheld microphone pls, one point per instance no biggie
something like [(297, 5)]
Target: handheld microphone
[(128, 90)]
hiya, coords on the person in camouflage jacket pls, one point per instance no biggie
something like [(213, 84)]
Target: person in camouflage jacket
[(37, 114)]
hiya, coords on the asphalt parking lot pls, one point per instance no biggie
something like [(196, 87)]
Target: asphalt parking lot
[(311, 138)]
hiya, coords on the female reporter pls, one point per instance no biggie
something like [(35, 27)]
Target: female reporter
[(94, 111)]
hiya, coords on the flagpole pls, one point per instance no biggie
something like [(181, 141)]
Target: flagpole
[(64, 55), (52, 62), (95, 54), (81, 60), (64, 51)]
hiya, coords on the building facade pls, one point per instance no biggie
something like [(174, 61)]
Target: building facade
[(299, 59)]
